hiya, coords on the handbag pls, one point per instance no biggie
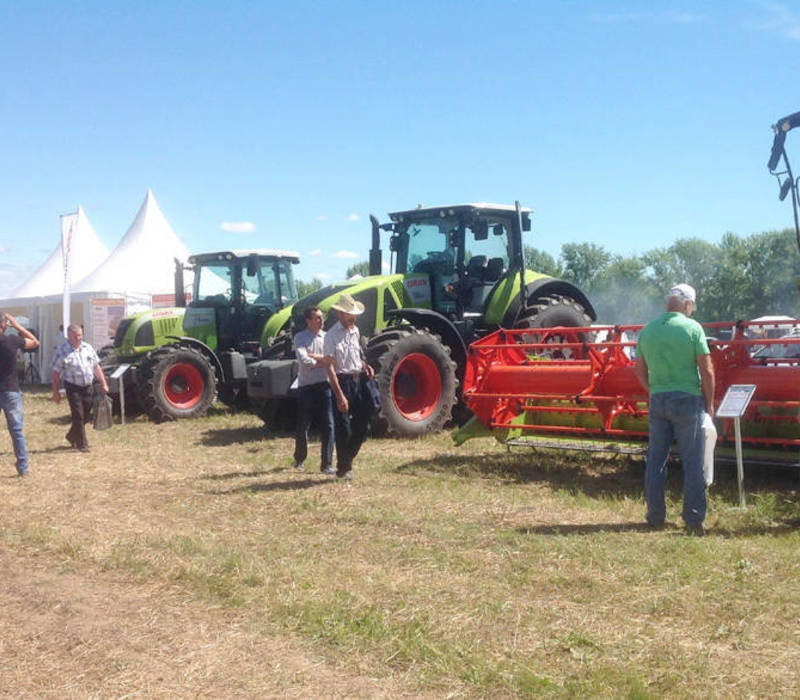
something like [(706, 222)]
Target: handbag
[(101, 411)]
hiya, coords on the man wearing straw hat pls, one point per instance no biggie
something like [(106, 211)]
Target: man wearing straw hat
[(674, 366), (347, 370)]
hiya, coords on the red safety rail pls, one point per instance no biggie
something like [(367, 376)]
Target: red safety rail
[(564, 381)]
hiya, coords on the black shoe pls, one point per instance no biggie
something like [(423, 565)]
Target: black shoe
[(696, 530)]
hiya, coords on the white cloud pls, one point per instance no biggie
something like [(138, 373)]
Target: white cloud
[(354, 217), (344, 254), (322, 217), (2, 250), (238, 226), (315, 252), (322, 276), (386, 266)]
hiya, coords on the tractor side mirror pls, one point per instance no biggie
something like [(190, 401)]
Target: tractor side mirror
[(394, 244), (786, 185), (497, 230), (252, 266), (481, 230), (526, 221)]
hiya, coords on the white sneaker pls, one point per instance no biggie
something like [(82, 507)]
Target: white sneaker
[(300, 466)]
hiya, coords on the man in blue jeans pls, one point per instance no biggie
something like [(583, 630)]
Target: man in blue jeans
[(674, 365), (314, 397), (10, 395)]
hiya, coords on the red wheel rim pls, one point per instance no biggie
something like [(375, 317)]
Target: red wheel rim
[(183, 385), (416, 386)]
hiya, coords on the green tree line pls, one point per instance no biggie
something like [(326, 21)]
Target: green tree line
[(739, 278)]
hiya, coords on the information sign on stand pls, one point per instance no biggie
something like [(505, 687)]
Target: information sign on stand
[(733, 405), (117, 375)]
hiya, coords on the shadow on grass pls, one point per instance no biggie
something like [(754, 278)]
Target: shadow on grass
[(61, 420), (591, 529), (276, 486), (560, 470), (602, 476), (238, 475), (746, 530), (223, 437)]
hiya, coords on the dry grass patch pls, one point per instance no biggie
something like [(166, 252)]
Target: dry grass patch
[(441, 571)]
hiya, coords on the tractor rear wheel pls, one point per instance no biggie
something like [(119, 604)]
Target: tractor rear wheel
[(416, 379), (176, 382)]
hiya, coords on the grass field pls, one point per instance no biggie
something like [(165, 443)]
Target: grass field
[(189, 559)]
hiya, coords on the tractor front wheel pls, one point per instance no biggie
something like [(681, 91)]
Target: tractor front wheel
[(177, 382), (416, 379)]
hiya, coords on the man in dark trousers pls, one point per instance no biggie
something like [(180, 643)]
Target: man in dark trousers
[(10, 395), (76, 364), (674, 365), (346, 366), (314, 396)]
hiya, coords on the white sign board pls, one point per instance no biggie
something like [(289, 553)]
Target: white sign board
[(106, 315), (736, 400), (119, 371)]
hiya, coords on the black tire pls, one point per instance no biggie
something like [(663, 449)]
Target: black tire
[(416, 379), (176, 382), (551, 311)]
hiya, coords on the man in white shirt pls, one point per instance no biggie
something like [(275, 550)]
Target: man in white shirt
[(347, 370), (314, 398), (76, 365)]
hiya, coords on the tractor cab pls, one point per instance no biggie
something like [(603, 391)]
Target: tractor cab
[(234, 293), (454, 257)]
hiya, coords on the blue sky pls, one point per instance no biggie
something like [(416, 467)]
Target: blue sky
[(285, 124)]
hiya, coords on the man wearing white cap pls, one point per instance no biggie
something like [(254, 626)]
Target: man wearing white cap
[(674, 365), (347, 369)]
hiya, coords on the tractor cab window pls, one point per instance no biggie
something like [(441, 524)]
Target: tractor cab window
[(262, 287), (213, 283), (486, 250), (286, 277)]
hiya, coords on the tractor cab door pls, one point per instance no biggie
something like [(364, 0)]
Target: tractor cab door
[(213, 316)]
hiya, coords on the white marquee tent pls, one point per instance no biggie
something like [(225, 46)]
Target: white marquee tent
[(140, 267)]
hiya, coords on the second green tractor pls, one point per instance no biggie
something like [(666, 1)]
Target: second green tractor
[(455, 274)]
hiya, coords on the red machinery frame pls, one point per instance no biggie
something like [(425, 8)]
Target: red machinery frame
[(556, 381)]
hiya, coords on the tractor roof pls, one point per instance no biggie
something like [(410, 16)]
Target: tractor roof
[(454, 209), (262, 253)]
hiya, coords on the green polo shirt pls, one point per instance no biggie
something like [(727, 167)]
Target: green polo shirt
[(670, 345)]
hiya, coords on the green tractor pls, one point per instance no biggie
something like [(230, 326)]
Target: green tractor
[(181, 358), (459, 274)]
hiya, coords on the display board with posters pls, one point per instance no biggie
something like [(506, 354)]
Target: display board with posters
[(106, 315)]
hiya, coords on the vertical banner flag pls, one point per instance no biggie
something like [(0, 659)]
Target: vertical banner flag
[(68, 224)]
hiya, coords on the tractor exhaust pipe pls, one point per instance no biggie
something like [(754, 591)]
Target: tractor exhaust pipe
[(520, 255), (375, 256), (180, 295)]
